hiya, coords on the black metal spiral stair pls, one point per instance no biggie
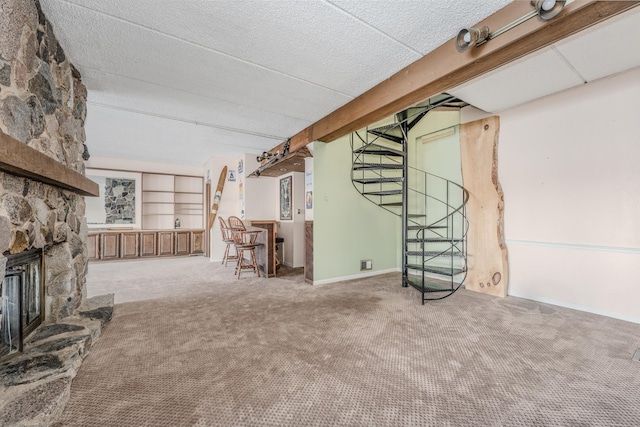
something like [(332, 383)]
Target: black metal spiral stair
[(433, 227)]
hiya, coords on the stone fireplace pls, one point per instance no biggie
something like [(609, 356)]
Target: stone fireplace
[(42, 213), (21, 300)]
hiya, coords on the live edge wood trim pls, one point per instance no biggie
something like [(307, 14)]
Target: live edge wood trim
[(445, 68), (19, 159)]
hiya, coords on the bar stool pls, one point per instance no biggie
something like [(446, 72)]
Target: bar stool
[(225, 230), (245, 241)]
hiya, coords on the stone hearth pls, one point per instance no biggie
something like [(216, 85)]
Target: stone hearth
[(43, 106), (36, 384)]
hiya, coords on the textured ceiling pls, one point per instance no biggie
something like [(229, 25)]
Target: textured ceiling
[(180, 81), (605, 49)]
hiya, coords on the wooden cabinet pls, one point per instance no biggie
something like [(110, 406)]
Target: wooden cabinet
[(182, 242), (148, 240), (165, 243), (129, 245), (197, 242), (124, 244), (93, 248), (271, 228), (110, 246)]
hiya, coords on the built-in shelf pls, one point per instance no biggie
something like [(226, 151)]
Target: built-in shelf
[(166, 198)]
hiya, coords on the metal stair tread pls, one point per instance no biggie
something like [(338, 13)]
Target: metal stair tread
[(383, 193), (379, 150), (393, 204), (373, 166), (434, 240), (391, 132), (378, 180), (432, 254), (430, 286), (444, 271), (426, 227)]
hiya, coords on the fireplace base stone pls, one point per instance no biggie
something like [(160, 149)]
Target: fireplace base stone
[(36, 384)]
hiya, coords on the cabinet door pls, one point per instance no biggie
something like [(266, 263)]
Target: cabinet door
[(165, 243), (148, 244), (197, 242), (182, 242), (130, 245), (93, 247), (110, 246)]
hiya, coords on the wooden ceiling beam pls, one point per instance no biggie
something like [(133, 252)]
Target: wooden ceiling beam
[(445, 68)]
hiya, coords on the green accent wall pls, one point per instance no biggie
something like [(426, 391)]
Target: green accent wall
[(347, 227)]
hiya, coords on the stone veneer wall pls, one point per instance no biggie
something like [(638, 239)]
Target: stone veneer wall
[(43, 104), (120, 200)]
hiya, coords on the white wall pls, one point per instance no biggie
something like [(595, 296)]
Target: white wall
[(293, 231), (260, 194), (569, 168)]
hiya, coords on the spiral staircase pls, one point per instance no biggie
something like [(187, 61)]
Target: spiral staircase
[(432, 208)]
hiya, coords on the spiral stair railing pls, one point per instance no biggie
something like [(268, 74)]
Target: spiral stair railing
[(434, 250)]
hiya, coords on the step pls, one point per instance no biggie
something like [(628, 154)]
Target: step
[(430, 227), (435, 240), (444, 271), (391, 204), (432, 254), (379, 150), (391, 132), (383, 193), (377, 180), (430, 285), (416, 216), (377, 166)]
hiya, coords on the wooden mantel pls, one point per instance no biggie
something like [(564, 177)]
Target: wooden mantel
[(19, 159)]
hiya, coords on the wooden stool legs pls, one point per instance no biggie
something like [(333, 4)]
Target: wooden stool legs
[(242, 265)]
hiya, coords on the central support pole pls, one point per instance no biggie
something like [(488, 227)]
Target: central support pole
[(405, 201)]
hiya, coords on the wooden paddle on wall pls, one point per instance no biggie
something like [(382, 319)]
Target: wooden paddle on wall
[(217, 196)]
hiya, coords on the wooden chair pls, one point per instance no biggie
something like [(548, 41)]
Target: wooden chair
[(227, 238), (236, 223), (245, 241)]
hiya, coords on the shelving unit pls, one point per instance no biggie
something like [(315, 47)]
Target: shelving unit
[(166, 198)]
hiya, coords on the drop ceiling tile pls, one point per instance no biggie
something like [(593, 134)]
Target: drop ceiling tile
[(169, 62), (532, 77), (310, 40), (422, 25), (143, 97), (608, 48), (141, 137)]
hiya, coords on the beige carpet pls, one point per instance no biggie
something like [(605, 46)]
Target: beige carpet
[(214, 351)]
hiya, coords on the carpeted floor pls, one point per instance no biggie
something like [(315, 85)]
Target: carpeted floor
[(210, 350)]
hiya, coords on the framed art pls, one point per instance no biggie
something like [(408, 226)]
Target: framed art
[(285, 198), (120, 202)]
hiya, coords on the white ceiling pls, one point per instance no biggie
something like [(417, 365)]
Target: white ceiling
[(600, 51), (180, 81)]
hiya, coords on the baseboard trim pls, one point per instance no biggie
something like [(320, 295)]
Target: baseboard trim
[(356, 276), (578, 307)]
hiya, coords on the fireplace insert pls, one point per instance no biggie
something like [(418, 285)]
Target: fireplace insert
[(21, 300)]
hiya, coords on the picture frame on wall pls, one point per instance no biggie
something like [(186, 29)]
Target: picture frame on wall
[(285, 198)]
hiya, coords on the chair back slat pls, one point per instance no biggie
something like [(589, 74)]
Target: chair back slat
[(236, 223)]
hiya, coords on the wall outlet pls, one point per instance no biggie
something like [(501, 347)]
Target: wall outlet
[(366, 264)]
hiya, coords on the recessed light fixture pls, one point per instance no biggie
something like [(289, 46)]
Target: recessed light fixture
[(283, 169), (297, 164)]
